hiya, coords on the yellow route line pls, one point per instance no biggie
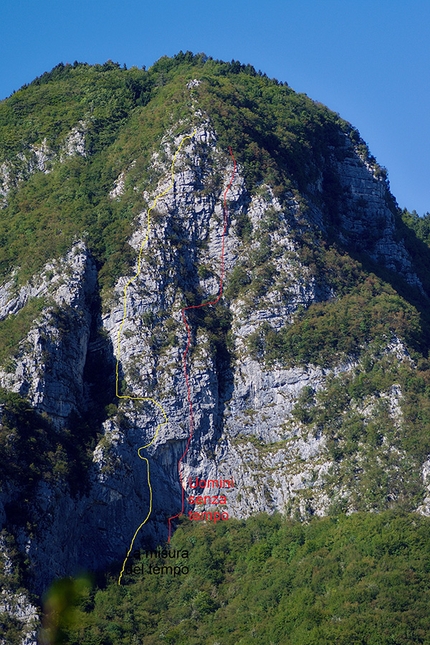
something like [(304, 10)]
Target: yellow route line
[(118, 350)]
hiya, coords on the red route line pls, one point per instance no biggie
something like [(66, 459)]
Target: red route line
[(184, 357)]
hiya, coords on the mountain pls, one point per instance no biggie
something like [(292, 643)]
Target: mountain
[(205, 277)]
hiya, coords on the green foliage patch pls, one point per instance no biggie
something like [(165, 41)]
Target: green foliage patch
[(47, 109), (328, 331), (278, 136), (361, 578), (33, 450), (47, 212)]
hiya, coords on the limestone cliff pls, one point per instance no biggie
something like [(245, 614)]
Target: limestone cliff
[(242, 409), (278, 427)]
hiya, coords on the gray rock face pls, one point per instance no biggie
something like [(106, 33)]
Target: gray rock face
[(425, 507), (18, 606), (75, 142), (243, 424), (366, 220), (48, 368), (16, 603)]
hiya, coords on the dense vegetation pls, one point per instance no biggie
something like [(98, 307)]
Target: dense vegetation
[(420, 225), (277, 135), (32, 450), (358, 579), (330, 331)]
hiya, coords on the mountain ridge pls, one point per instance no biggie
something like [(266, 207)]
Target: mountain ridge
[(309, 379)]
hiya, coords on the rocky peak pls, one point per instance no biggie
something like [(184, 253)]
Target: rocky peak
[(300, 431)]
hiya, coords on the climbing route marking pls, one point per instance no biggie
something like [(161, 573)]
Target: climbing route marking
[(118, 350), (184, 357)]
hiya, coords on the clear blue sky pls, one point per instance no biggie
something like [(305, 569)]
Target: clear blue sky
[(366, 59)]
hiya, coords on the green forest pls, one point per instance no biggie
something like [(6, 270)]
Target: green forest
[(350, 580), (277, 135)]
